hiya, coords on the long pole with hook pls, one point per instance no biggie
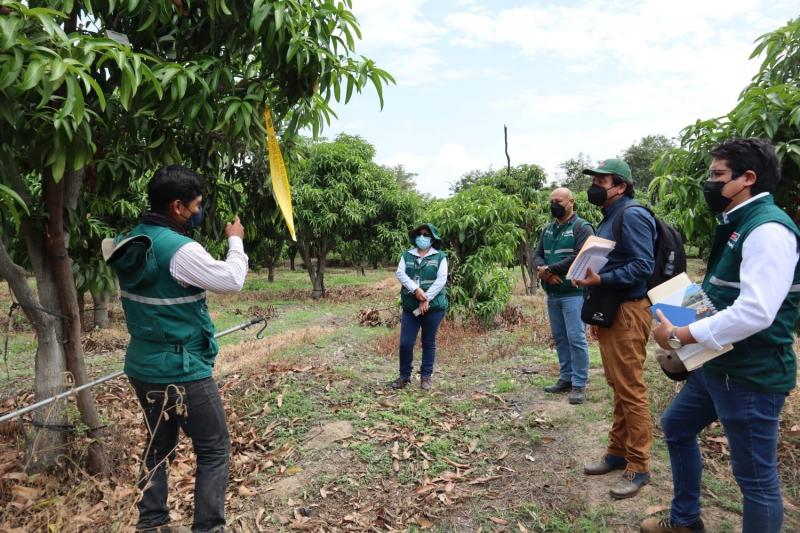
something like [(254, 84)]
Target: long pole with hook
[(114, 375)]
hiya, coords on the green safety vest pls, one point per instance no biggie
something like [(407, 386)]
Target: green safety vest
[(172, 335), (764, 361), (423, 274), (558, 244)]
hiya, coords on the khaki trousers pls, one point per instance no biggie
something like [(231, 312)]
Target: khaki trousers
[(623, 349)]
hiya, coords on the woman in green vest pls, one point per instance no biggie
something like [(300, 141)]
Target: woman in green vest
[(422, 272)]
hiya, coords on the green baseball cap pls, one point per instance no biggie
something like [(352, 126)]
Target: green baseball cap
[(612, 166)]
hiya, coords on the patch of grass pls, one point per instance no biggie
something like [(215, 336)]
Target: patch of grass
[(286, 280), (536, 518), (727, 493), (505, 385), (595, 359)]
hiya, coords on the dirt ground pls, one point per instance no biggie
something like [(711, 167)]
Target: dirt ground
[(320, 443)]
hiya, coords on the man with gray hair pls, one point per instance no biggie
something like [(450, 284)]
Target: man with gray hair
[(559, 244)]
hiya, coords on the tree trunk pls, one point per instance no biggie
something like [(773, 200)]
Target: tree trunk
[(292, 256), (319, 281), (56, 248), (374, 265), (101, 300), (305, 254), (533, 274), (46, 444), (82, 310), (271, 272)]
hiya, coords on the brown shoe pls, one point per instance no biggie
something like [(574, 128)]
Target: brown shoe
[(631, 484), (607, 464), (654, 525), (425, 383), (399, 383)]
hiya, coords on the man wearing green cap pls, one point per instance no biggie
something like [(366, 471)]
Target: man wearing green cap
[(622, 344)]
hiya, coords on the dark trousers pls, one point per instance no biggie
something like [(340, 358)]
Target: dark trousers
[(195, 407), (750, 419), (409, 328)]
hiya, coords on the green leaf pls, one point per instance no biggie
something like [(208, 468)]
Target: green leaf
[(14, 196), (8, 26), (12, 70), (33, 75)]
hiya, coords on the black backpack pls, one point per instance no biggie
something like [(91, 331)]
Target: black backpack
[(670, 255)]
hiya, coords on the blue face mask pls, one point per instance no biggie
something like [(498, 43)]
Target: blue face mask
[(196, 219), (423, 242)]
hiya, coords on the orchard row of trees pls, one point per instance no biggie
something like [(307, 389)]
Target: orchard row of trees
[(95, 95)]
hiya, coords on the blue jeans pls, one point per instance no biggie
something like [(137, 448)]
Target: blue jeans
[(750, 420), (409, 327), (569, 334), (203, 421)]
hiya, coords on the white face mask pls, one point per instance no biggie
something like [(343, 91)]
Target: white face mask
[(423, 242)]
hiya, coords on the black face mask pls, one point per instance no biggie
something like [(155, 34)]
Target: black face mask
[(557, 210), (597, 195), (712, 191)]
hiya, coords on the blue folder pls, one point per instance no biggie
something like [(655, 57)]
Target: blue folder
[(679, 316)]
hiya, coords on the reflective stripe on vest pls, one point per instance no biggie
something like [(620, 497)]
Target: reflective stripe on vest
[(714, 280), (163, 301)]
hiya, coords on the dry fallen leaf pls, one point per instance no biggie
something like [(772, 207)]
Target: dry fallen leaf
[(502, 455), (498, 521), (473, 445), (423, 522), (522, 529), (246, 492), (653, 509)]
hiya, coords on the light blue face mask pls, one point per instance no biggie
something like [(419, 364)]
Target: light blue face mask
[(423, 242)]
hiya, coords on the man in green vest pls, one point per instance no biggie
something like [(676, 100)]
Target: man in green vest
[(560, 242), (163, 275), (753, 279)]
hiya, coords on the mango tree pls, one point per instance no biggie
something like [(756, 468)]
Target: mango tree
[(342, 196), (769, 107), (480, 227), (85, 86), (524, 182)]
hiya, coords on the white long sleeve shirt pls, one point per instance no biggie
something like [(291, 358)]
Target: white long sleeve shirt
[(769, 256), (193, 266), (408, 283)]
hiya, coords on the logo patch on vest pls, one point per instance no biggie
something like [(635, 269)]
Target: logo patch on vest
[(733, 239)]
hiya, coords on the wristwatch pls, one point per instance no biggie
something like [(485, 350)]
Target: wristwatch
[(673, 341)]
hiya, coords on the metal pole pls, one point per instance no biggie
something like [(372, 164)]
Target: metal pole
[(47, 401)]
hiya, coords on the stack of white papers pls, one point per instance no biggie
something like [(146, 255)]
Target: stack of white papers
[(681, 292), (593, 254)]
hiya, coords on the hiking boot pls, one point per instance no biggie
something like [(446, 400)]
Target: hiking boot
[(607, 464), (425, 383), (560, 386), (631, 484), (577, 395), (654, 525), (400, 383)]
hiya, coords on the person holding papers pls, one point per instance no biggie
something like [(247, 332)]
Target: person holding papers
[(557, 248), (753, 280), (623, 282)]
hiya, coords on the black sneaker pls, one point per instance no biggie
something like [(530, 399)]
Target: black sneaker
[(560, 386), (577, 395), (400, 383)]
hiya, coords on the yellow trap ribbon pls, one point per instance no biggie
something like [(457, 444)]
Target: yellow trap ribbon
[(280, 180)]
